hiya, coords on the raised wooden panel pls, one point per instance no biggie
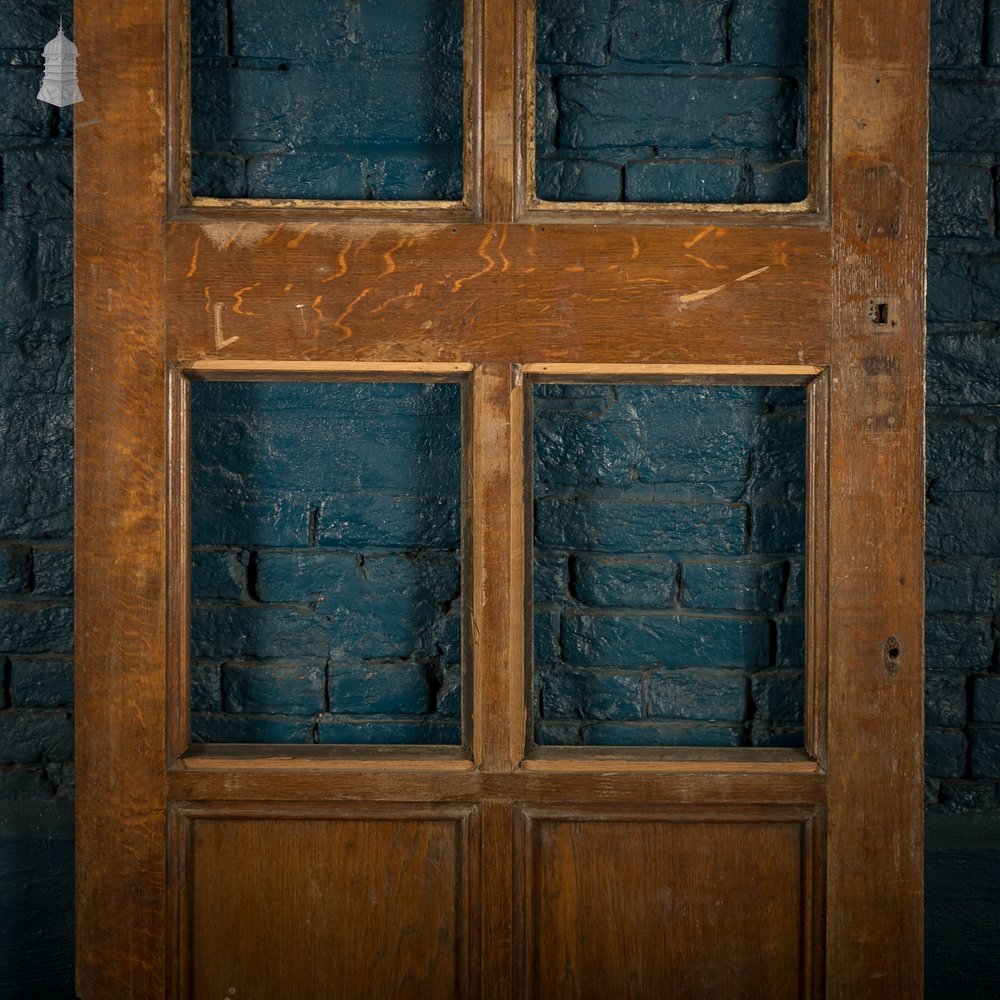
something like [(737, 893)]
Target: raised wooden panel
[(352, 906), (595, 294), (668, 906)]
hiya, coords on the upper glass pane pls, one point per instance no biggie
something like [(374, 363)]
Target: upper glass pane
[(325, 568), (669, 538), (672, 100), (327, 99)]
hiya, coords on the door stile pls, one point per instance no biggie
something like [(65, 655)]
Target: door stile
[(874, 921), (120, 503)]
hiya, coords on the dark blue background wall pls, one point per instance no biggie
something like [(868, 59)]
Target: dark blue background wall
[(963, 535)]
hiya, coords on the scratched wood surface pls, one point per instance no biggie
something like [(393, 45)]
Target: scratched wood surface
[(168, 291), (508, 293)]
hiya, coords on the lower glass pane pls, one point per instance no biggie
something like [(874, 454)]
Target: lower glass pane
[(325, 562), (669, 539)]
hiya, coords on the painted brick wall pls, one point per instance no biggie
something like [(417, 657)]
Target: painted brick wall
[(963, 513)]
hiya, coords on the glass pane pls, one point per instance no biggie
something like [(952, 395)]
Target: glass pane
[(327, 99), (325, 562), (671, 100), (669, 537)]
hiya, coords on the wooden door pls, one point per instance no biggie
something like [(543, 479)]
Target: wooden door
[(501, 869)]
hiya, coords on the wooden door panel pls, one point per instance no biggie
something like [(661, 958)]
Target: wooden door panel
[(737, 294), (652, 905), (358, 905)]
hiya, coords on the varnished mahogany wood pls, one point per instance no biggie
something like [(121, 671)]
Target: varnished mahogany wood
[(543, 871)]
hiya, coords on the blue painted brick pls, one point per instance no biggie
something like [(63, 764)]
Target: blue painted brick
[(250, 729), (779, 696), (778, 527), (591, 694), (221, 633), (380, 689), (448, 679), (949, 288), (961, 585), (220, 575), (420, 732), (957, 644), (795, 586), (31, 735), (780, 448), (218, 175), (41, 683), (781, 182), (273, 688), (227, 519), (573, 32), (550, 579), (737, 584), (986, 290), (206, 687), (209, 28), (961, 201), (963, 524), (677, 112), (670, 734), (764, 735), (15, 568), (986, 698), (35, 628), (21, 115), (546, 638), (623, 583), (963, 454), (578, 180), (613, 526), (705, 695), (956, 33), (390, 521), (27, 25), (965, 116), (52, 571), (770, 32), (790, 631), (689, 180), (945, 699), (38, 184), (945, 751), (984, 760), (993, 34), (668, 31), (614, 640)]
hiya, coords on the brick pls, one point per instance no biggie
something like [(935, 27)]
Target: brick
[(52, 571), (778, 527), (993, 33), (623, 583), (764, 735), (40, 683), (963, 524), (984, 759), (420, 732), (790, 633), (963, 454), (448, 679), (219, 575), (664, 640), (24, 26), (949, 288), (38, 184), (957, 644), (573, 32), (31, 735), (986, 289), (779, 453), (665, 31), (206, 687), (21, 115), (689, 181), (795, 586), (612, 526), (380, 689), (670, 734), (546, 638), (394, 521), (770, 32), (15, 569), (736, 585), (780, 182), (944, 753), (944, 700), (963, 369), (578, 180), (221, 633), (20, 782), (705, 695), (965, 116), (956, 33), (779, 696), (273, 688), (677, 112), (591, 694), (35, 628), (961, 585), (209, 28), (961, 201), (250, 729), (986, 698), (550, 579), (218, 175)]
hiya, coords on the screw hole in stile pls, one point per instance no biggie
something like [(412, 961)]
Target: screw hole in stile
[(878, 312), (892, 653)]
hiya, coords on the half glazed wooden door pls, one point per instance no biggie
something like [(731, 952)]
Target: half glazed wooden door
[(500, 868)]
